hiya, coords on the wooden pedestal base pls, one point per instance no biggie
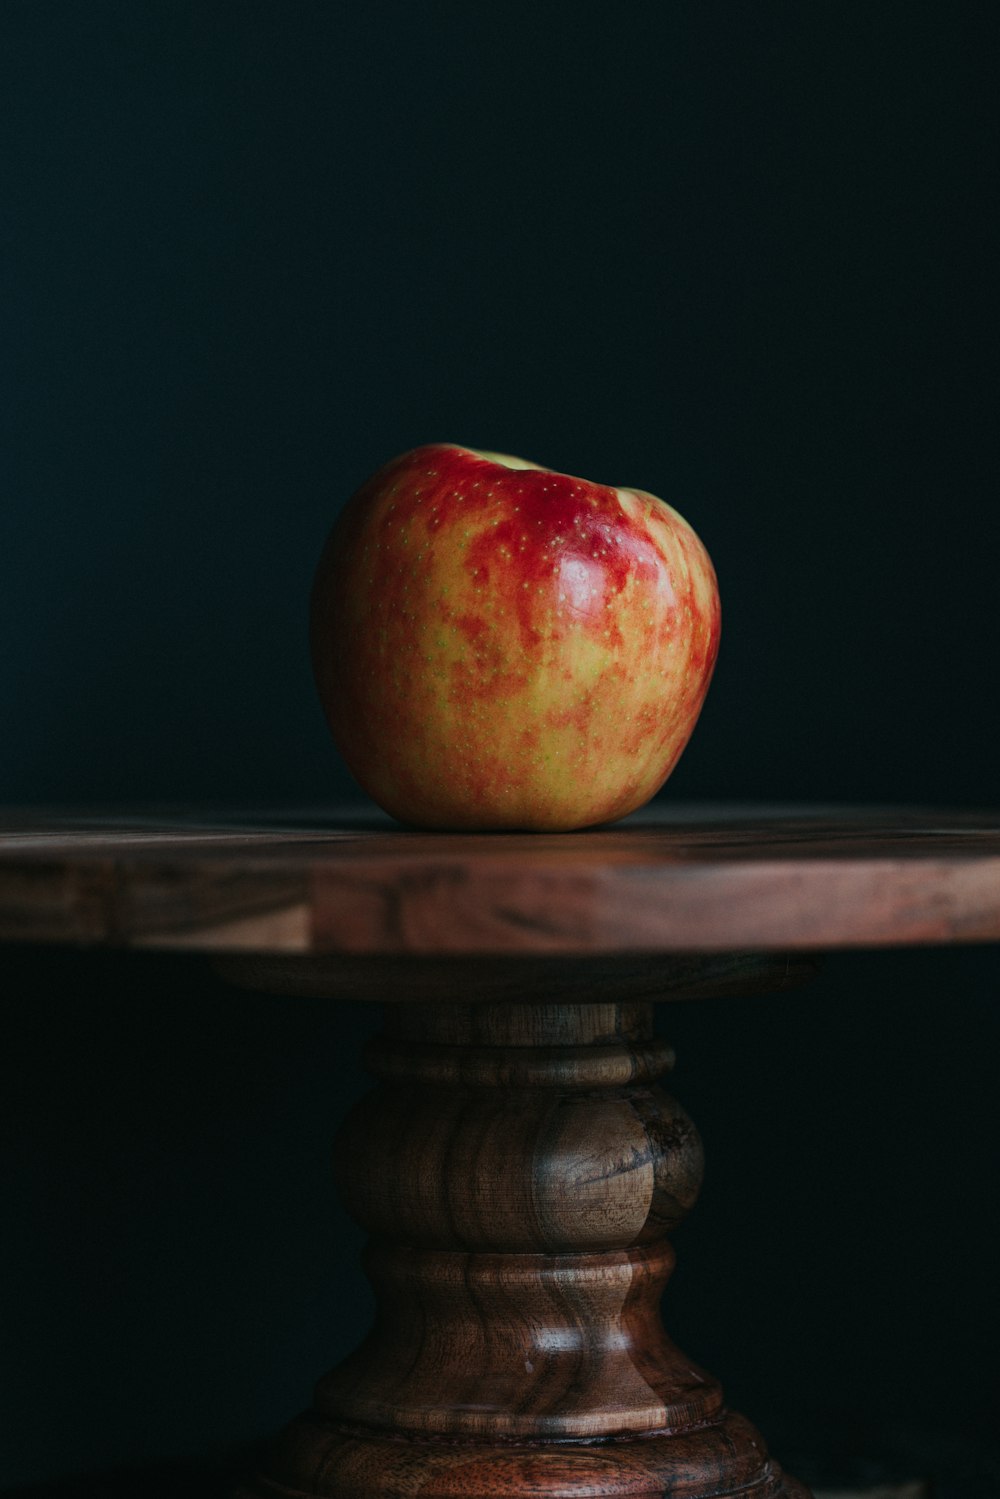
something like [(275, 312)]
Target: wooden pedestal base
[(727, 1458), (519, 1169)]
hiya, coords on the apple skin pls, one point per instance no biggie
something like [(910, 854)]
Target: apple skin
[(497, 646)]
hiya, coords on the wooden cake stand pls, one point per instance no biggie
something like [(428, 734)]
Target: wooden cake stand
[(517, 1165)]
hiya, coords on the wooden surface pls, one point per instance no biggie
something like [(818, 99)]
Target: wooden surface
[(161, 1483), (670, 879), (519, 1169)]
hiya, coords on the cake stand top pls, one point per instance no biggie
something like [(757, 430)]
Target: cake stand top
[(672, 878)]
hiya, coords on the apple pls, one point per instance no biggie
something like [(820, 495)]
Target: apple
[(500, 646)]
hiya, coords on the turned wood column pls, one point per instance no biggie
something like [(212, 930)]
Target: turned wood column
[(519, 1167)]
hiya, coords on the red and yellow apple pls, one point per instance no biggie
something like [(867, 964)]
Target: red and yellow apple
[(500, 646)]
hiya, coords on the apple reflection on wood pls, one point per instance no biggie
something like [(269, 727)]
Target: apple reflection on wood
[(501, 646)]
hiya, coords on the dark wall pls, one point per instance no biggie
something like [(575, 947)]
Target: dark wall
[(741, 255)]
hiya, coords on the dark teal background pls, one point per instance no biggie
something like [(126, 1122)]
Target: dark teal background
[(743, 255)]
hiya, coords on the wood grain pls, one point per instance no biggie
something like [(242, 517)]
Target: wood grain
[(670, 880), (519, 1169)]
